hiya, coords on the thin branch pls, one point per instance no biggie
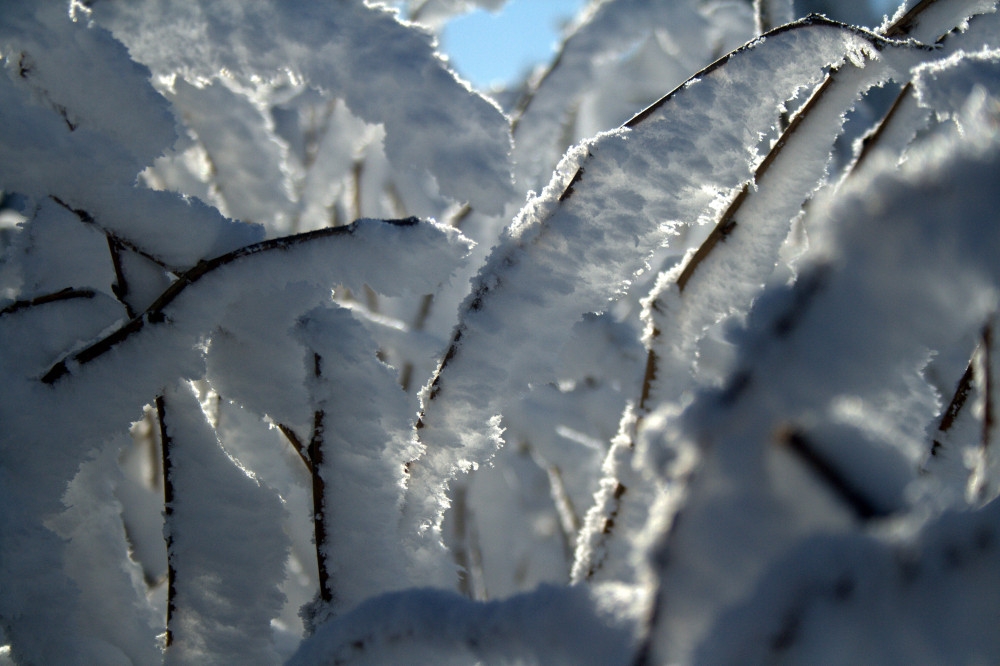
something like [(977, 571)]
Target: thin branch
[(460, 551), (88, 219), (861, 506), (297, 444), (168, 511), (69, 293), (154, 314), (870, 141), (120, 286), (958, 400), (319, 492)]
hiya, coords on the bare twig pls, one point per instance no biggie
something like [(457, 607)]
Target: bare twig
[(297, 444), (168, 511), (958, 400), (120, 286), (870, 141), (319, 492), (66, 294), (861, 506)]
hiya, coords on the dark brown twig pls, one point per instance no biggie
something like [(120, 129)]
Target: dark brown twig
[(120, 286), (861, 506), (319, 492), (297, 444), (870, 141), (168, 511), (66, 294)]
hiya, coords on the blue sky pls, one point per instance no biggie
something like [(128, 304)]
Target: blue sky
[(486, 48)]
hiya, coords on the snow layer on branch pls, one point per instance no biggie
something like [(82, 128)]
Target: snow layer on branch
[(94, 396), (386, 71), (831, 370), (726, 281), (573, 249), (551, 625), (226, 546)]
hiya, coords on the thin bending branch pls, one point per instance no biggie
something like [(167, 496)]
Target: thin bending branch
[(66, 294), (768, 15), (727, 222), (155, 313)]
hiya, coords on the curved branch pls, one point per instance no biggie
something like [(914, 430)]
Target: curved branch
[(155, 314), (66, 294)]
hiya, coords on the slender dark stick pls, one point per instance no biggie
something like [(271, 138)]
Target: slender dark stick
[(168, 512), (66, 294), (869, 142), (120, 286), (297, 444), (319, 492), (852, 497)]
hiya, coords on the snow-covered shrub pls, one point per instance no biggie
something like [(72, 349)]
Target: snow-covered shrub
[(313, 354)]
